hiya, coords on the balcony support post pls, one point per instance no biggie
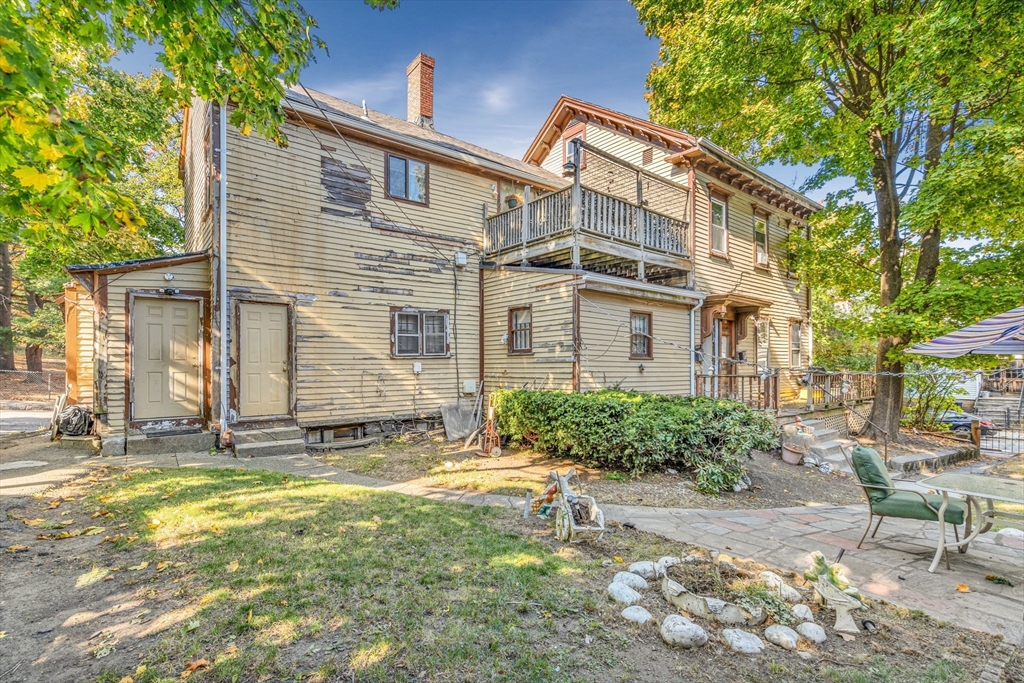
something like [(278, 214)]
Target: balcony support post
[(640, 227), (526, 220), (577, 204)]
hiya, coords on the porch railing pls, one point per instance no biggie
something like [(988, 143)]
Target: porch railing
[(755, 391), (824, 388), (601, 214)]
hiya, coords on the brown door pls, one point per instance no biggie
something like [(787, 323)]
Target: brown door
[(263, 360), (166, 363)]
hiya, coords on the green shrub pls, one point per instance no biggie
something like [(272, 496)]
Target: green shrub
[(637, 432)]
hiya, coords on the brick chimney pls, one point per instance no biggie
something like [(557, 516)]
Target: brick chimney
[(420, 103)]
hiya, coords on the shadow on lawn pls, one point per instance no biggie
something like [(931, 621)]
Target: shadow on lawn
[(284, 577)]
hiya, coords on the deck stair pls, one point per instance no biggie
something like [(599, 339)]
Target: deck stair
[(255, 443), (827, 444)]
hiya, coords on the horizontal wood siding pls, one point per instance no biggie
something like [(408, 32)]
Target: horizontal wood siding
[(605, 351), (85, 335), (316, 230), (197, 177), (549, 365), (188, 276)]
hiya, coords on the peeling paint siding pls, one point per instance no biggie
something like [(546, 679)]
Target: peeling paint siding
[(305, 222), (198, 178), (605, 351), (550, 364), (188, 276)]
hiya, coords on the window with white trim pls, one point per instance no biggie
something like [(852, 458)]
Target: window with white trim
[(796, 357), (419, 333), (760, 241), (719, 226)]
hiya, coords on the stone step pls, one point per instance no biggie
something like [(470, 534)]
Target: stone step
[(832, 450), (908, 464), (156, 444), (266, 448), (273, 434), (826, 434)]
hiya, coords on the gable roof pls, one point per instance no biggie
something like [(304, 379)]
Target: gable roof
[(681, 148), (348, 116)]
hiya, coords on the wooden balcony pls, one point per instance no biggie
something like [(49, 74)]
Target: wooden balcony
[(596, 231)]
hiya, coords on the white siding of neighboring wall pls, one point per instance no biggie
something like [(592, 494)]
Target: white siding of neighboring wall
[(549, 366), (188, 276), (342, 274), (197, 177), (605, 350)]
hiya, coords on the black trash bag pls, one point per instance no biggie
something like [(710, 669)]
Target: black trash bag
[(75, 421)]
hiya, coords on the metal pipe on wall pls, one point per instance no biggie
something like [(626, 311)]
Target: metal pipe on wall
[(222, 264), (693, 349)]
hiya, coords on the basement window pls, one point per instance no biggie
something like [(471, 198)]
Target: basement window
[(640, 346), (407, 179), (419, 333)]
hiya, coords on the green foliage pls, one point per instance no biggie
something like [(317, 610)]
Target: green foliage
[(758, 596), (638, 432), (929, 394), (45, 327), (59, 168)]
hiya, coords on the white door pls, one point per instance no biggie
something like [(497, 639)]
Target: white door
[(165, 359), (263, 370)]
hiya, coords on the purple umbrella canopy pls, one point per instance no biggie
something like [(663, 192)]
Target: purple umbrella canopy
[(1001, 334)]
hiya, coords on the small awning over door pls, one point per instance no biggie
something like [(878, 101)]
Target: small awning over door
[(1001, 334)]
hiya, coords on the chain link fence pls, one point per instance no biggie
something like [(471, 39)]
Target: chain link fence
[(22, 385)]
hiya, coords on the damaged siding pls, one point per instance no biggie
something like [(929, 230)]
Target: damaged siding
[(605, 349), (549, 364), (198, 177), (314, 228)]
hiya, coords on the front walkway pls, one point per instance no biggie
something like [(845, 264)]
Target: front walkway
[(892, 567)]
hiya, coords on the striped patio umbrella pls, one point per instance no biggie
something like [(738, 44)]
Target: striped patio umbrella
[(1001, 334)]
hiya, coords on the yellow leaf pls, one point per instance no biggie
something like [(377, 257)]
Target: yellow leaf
[(153, 523), (139, 567), (92, 530), (141, 670), (617, 559), (963, 588), (17, 548), (231, 650), (51, 153), (30, 177), (6, 66), (127, 679), (160, 566), (233, 566), (33, 522), (375, 519)]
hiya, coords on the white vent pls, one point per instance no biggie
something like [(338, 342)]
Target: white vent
[(762, 259)]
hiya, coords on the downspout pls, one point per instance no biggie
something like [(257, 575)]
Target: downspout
[(693, 348), (222, 263)]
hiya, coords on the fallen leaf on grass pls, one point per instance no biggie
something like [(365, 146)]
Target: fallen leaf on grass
[(999, 580), (33, 522), (139, 567), (847, 637), (231, 651), (284, 480), (232, 566), (54, 504), (191, 626), (17, 548), (194, 665), (112, 539), (104, 652), (618, 559), (963, 588), (101, 513), (92, 530), (127, 679), (375, 519), (131, 538), (153, 523), (160, 566)]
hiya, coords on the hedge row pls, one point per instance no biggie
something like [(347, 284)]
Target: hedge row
[(638, 432)]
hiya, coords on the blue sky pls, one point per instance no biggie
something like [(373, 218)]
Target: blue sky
[(501, 65)]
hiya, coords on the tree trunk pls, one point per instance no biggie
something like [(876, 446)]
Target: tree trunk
[(33, 352), (888, 403), (6, 291)]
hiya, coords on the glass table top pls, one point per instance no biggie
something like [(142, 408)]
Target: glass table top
[(982, 486)]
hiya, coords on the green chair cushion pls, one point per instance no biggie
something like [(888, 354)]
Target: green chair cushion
[(908, 505), (871, 472)]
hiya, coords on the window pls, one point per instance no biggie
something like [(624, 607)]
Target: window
[(719, 227), (640, 335), (578, 130), (520, 330), (795, 356), (416, 333), (407, 179), (763, 331), (760, 242)]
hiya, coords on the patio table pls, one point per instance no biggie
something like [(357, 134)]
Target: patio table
[(974, 487)]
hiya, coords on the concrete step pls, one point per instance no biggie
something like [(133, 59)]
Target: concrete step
[(918, 462), (273, 434), (826, 434), (265, 448), (831, 451), (156, 444), (79, 443)]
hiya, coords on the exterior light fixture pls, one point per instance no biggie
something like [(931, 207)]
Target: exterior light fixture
[(569, 169)]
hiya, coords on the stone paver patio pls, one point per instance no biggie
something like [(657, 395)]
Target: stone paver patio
[(892, 567)]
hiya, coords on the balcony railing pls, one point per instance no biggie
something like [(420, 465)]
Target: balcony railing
[(601, 215), (824, 388), (755, 391)]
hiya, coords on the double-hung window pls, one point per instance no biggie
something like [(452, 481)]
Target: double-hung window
[(719, 227), (796, 358), (760, 242), (407, 179), (417, 333), (640, 345), (520, 330)]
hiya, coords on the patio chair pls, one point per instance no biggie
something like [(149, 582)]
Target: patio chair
[(885, 500)]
